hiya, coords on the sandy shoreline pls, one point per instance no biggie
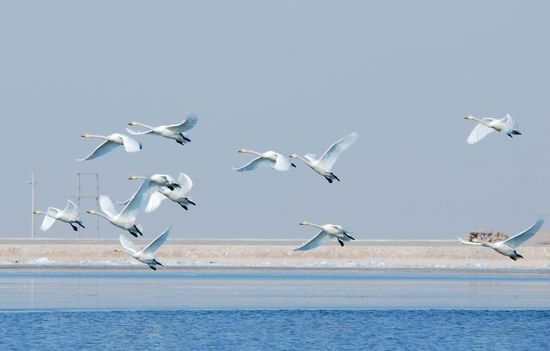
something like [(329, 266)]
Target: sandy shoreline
[(270, 253)]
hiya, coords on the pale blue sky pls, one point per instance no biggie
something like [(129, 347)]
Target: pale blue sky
[(289, 76)]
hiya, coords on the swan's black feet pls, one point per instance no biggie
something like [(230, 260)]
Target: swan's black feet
[(153, 268), (185, 138), (180, 142), (520, 256), (335, 177), (341, 242), (191, 202), (157, 262), (328, 180), (513, 258), (516, 132), (80, 224), (74, 228), (510, 135), (351, 237), (292, 164), (185, 207), (134, 234)]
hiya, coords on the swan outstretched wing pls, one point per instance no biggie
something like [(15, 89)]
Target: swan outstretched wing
[(49, 218), (282, 164), (127, 244), (130, 144), (132, 207), (317, 240), (184, 126), (107, 206), (71, 210), (155, 244), (522, 237), (480, 131), (154, 201), (257, 163), (335, 150), (101, 150)]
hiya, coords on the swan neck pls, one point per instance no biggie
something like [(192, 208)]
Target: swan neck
[(315, 225), (144, 125)]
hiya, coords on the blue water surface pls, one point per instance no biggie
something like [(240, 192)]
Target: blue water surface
[(276, 330)]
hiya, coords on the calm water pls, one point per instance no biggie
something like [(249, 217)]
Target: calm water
[(276, 330), (230, 309)]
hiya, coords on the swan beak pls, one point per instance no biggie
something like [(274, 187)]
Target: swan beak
[(293, 156), (85, 135), (36, 212), (303, 223), (132, 123), (90, 211), (132, 178), (469, 117), (116, 250), (242, 150)]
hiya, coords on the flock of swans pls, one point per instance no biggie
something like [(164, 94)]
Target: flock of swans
[(158, 187)]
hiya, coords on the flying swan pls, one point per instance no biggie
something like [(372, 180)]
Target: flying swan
[(147, 254), (111, 141), (327, 232), (264, 160), (174, 132), (157, 180), (68, 215), (324, 165), (486, 126), (126, 219), (178, 195), (508, 247)]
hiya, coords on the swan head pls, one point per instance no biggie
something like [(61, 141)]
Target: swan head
[(91, 212), (469, 117), (117, 250), (133, 123), (85, 135), (293, 156), (303, 223), (36, 212), (132, 177), (242, 150)]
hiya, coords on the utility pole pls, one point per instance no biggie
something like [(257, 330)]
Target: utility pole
[(95, 197), (33, 203)]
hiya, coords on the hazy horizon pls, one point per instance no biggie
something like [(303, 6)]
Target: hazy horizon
[(290, 77)]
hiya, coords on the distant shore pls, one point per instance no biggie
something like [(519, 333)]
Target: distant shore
[(269, 253)]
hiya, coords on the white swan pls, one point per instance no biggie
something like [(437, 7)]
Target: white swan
[(486, 126), (266, 159), (157, 180), (327, 231), (111, 141), (178, 195), (68, 215), (324, 165), (147, 254), (126, 219), (508, 247), (174, 132)]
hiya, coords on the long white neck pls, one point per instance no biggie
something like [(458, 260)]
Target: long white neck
[(314, 225), (480, 121), (127, 253), (96, 136), (252, 152), (307, 162), (104, 216), (144, 125)]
